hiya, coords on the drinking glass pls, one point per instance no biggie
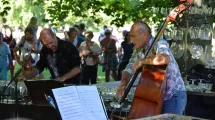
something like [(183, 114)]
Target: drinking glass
[(205, 31), (192, 10), (167, 34), (115, 103), (193, 86), (164, 11), (209, 58), (177, 49), (209, 87), (194, 30), (178, 33), (155, 9), (196, 50)]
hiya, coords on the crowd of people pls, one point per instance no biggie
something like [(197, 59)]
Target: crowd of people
[(75, 55), (74, 59)]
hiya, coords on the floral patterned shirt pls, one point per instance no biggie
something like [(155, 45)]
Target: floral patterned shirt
[(174, 79)]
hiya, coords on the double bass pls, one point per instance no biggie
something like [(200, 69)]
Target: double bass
[(149, 94)]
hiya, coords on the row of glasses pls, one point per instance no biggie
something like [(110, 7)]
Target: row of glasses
[(204, 32), (174, 33), (163, 10), (202, 9), (109, 95), (201, 87)]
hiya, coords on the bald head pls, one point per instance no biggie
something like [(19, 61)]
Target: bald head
[(49, 39), (142, 26), (47, 31)]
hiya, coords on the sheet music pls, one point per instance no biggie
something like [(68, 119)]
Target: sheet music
[(92, 103), (69, 103), (79, 103)]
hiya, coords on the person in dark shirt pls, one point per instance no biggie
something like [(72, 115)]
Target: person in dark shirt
[(127, 47), (60, 57)]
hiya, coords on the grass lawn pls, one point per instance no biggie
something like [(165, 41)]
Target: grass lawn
[(101, 75)]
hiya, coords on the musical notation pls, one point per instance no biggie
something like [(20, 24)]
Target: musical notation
[(79, 102)]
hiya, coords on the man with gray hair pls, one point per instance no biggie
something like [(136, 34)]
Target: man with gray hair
[(175, 97)]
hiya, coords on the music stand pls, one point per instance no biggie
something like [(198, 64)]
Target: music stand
[(37, 90)]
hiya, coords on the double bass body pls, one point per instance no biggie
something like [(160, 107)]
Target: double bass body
[(149, 94)]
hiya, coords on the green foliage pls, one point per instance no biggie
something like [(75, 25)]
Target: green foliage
[(19, 12), (96, 12), (4, 10), (120, 11)]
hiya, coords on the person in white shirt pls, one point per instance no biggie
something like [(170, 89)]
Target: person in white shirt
[(89, 52)]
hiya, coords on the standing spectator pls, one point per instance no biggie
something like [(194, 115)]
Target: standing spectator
[(126, 48), (89, 52), (110, 59), (5, 59), (125, 52), (11, 42), (74, 38)]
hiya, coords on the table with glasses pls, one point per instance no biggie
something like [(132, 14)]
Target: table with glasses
[(200, 99), (200, 102)]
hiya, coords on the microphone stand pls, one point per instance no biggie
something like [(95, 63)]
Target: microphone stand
[(83, 67), (16, 90)]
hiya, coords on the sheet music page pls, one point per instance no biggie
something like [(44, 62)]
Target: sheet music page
[(92, 103), (69, 104)]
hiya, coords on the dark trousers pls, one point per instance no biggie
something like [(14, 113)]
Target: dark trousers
[(89, 74)]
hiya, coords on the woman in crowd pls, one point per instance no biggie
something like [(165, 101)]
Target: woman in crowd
[(110, 60), (125, 52), (89, 51), (127, 46)]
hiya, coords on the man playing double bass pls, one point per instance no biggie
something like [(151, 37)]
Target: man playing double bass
[(175, 96)]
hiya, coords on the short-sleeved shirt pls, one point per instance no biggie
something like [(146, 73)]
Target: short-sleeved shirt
[(60, 62), (175, 82), (4, 52)]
